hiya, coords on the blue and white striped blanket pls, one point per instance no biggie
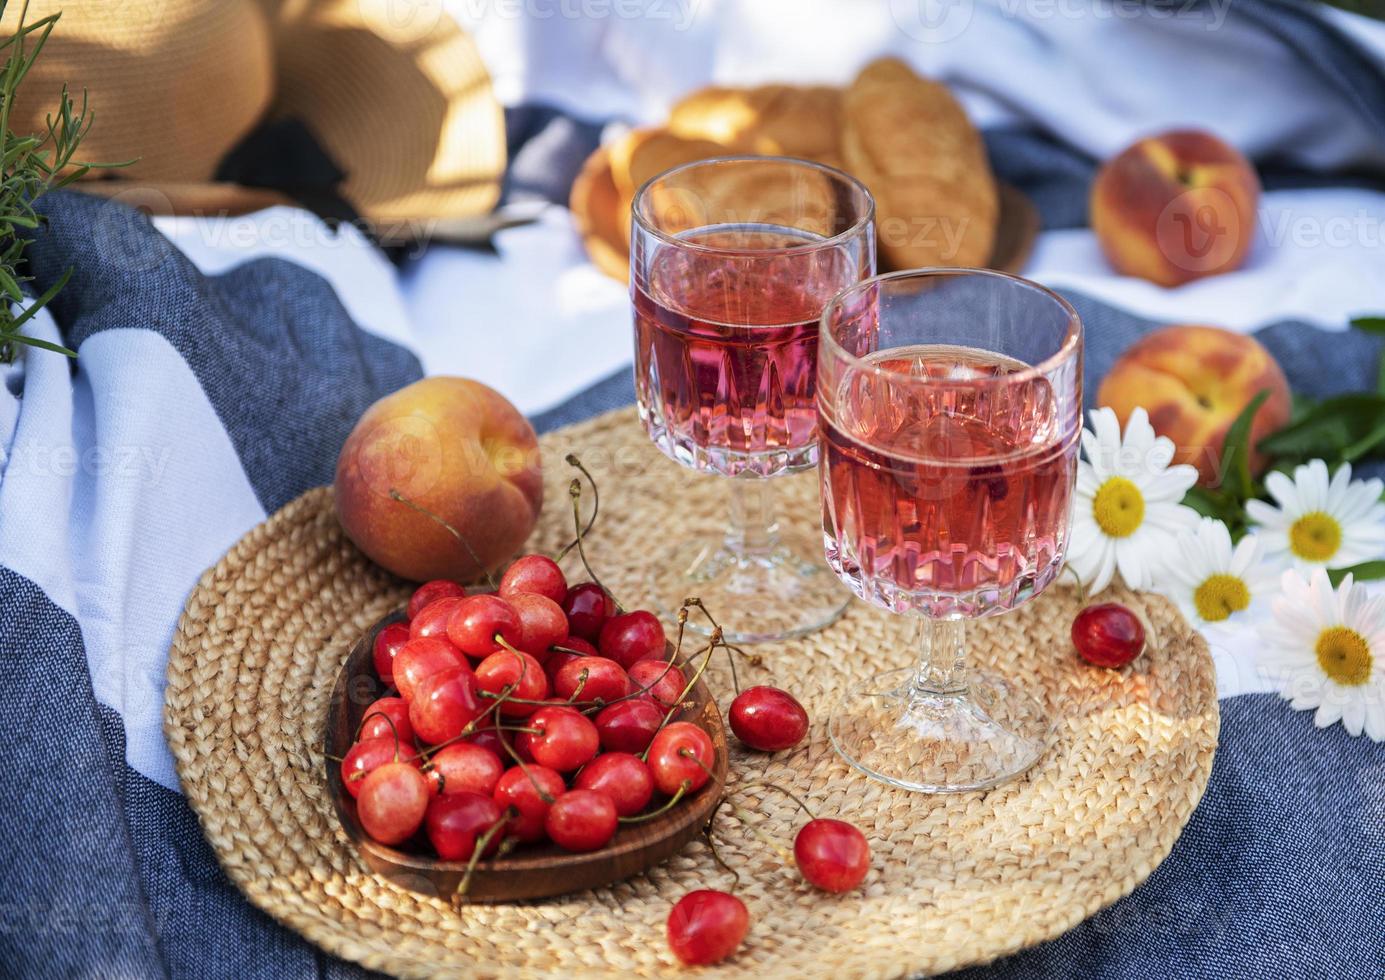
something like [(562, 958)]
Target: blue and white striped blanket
[(214, 384)]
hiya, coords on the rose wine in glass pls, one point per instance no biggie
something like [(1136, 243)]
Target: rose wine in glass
[(950, 405), (732, 262)]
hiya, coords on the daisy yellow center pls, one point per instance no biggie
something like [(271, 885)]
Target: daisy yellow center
[(1315, 536), (1344, 655), (1220, 596), (1119, 507)]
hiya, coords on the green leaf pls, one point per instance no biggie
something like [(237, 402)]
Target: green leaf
[(1364, 572), (35, 342), (1370, 324), (1330, 429), (1236, 446)]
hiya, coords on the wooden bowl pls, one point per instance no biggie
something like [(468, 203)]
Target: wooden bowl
[(532, 870)]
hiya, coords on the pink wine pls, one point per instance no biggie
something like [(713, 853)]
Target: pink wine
[(726, 335), (948, 491)]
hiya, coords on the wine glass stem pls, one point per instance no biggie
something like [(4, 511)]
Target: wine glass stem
[(942, 668), (754, 526)]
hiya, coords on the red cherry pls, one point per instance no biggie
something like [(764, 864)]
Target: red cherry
[(370, 754), (428, 592), (477, 620), (392, 802), (534, 575), (518, 789), (1108, 635), (581, 820), (621, 776), (467, 767), (506, 668), (444, 703), (493, 741), (768, 719), (433, 618), (587, 607), (375, 725), (628, 726), (832, 854), (631, 637), (605, 681), (576, 646), (564, 739), (663, 681), (388, 642), (456, 823), (541, 624), (707, 926), (675, 754), (421, 659)]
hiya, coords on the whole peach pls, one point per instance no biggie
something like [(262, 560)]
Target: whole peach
[(1175, 207), (447, 447), (1194, 381)]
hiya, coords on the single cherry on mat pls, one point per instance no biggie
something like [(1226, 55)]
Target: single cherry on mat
[(707, 926), (534, 575), (768, 719), (832, 854), (388, 642), (1108, 635)]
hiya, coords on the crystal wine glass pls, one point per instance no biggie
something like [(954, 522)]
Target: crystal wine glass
[(951, 412), (731, 263)]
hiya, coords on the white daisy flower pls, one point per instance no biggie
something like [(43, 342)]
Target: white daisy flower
[(1212, 580), (1128, 508), (1328, 649), (1321, 524)]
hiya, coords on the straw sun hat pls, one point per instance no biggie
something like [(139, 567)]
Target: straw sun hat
[(374, 108)]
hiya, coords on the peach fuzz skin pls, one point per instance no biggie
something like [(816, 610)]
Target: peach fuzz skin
[(1193, 381), (456, 448), (1175, 207)]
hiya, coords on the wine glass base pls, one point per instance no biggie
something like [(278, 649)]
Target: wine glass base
[(785, 592), (940, 743)]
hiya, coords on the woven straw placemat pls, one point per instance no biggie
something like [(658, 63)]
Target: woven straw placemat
[(955, 880)]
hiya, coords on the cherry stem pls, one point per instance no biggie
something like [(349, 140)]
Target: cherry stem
[(543, 793), (397, 496), (484, 842), (757, 833), (775, 786), (389, 721), (574, 490), (712, 846), (687, 688), (572, 460), (682, 791), (1081, 587)]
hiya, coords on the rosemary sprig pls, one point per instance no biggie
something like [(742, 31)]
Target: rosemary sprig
[(31, 165)]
